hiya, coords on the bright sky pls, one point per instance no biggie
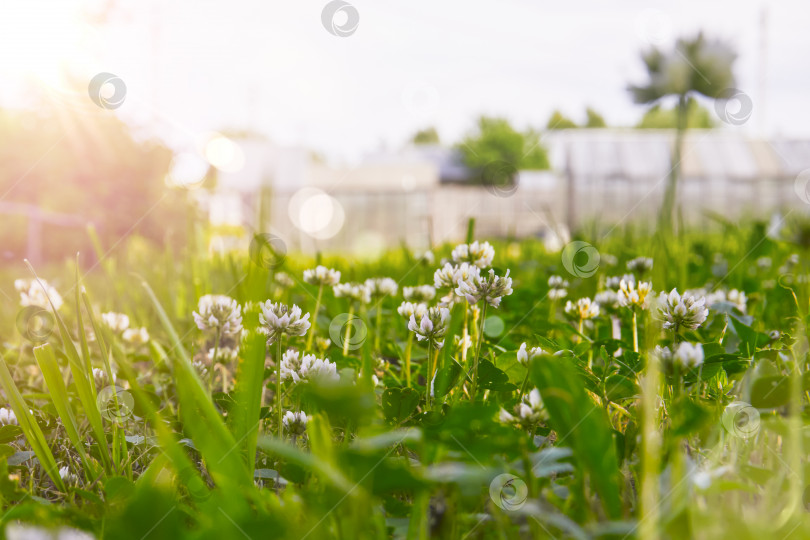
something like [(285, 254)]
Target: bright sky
[(192, 66)]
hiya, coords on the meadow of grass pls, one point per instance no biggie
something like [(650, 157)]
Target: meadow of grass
[(639, 419)]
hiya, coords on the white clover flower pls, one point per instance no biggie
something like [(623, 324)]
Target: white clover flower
[(277, 319), (427, 257), (688, 356), (322, 344), (557, 282), (460, 343), (100, 378), (421, 293), (738, 298), (7, 417), (764, 263), (431, 325), (200, 368), (321, 275), (68, 477), (318, 369), (408, 309), (379, 287), (307, 368), (295, 423), (284, 279), (219, 313), (490, 289), (356, 292), (557, 294), (583, 309), (608, 259), (640, 265), (135, 336), (479, 254), (32, 293), (525, 355), (607, 299), (613, 282), (527, 413), (117, 322), (451, 276), (634, 295), (664, 354), (685, 311), (224, 354)]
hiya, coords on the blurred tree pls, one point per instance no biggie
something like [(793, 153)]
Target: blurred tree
[(86, 162), (694, 66), (497, 151), (559, 121), (426, 136), (594, 119), (658, 117)]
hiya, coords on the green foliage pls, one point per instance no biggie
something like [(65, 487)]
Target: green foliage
[(658, 117), (498, 151), (559, 121), (426, 136)]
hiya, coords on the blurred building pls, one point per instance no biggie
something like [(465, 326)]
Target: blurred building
[(424, 195)]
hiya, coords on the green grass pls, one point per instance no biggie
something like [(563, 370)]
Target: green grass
[(622, 447)]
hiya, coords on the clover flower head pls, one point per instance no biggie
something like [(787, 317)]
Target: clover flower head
[(634, 295), (224, 354), (68, 477), (219, 313), (479, 254), (557, 294), (686, 311), (640, 265), (584, 308), (524, 355), (527, 413), (452, 275), (462, 343), (607, 299), (613, 282), (101, 379), (427, 257), (322, 344), (735, 297), (321, 275), (200, 368), (408, 309), (32, 293), (136, 336), (356, 292), (688, 356), (308, 367), (431, 325), (277, 319), (379, 287), (117, 322), (7, 417), (295, 423), (490, 289), (284, 279), (557, 282), (420, 293)]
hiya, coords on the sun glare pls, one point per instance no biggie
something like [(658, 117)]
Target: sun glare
[(39, 43)]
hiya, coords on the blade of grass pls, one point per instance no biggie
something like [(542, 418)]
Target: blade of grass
[(84, 385), (59, 396), (200, 416), (29, 426), (120, 449), (248, 395)]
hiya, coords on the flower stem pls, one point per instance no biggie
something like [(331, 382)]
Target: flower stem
[(378, 326), (213, 363), (429, 370), (407, 368), (464, 336), (347, 335), (478, 352), (635, 331), (314, 319), (279, 414)]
